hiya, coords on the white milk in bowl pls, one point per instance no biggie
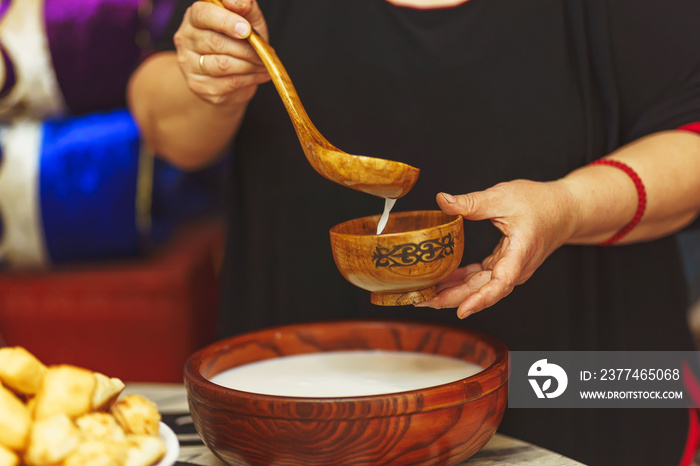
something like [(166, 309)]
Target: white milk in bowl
[(346, 373)]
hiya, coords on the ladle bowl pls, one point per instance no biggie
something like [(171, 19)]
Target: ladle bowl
[(376, 176)]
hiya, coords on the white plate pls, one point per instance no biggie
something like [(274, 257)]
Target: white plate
[(172, 446)]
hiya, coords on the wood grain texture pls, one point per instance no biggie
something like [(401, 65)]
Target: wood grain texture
[(372, 175), (441, 425), (401, 266)]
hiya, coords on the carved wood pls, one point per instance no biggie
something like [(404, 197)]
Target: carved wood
[(377, 176), (402, 265), (441, 425)]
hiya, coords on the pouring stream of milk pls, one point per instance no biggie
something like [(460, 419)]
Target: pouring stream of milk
[(388, 204)]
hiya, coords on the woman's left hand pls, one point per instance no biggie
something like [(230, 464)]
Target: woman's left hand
[(535, 219)]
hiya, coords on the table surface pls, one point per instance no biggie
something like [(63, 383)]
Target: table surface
[(172, 403)]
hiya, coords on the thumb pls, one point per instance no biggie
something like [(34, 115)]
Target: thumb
[(472, 206), (250, 10)]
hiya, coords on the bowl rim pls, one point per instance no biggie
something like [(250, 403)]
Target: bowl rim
[(491, 379), (454, 220)]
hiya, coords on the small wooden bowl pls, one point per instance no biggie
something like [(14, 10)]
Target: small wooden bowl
[(441, 425), (402, 265)]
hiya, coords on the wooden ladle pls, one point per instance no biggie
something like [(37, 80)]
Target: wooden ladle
[(380, 177)]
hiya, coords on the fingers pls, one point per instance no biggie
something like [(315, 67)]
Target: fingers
[(476, 292), (208, 29), (219, 65), (459, 276), (506, 273), (477, 286), (530, 217), (251, 11), (246, 15), (230, 90), (207, 16), (458, 291), (489, 294), (221, 79)]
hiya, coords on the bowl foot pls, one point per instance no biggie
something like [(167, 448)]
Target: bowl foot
[(402, 298)]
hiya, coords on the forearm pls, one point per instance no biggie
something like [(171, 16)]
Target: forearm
[(588, 206), (174, 122), (605, 199)]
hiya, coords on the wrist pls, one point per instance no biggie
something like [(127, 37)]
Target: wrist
[(572, 209), (603, 201), (641, 198)]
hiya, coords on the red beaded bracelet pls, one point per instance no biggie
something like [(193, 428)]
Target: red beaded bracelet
[(692, 127), (641, 196)]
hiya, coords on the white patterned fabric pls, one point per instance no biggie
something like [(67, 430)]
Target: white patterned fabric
[(23, 36), (22, 242), (71, 156)]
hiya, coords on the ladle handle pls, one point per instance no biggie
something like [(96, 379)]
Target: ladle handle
[(285, 88)]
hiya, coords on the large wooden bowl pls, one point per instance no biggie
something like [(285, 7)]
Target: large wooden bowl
[(401, 266), (441, 425)]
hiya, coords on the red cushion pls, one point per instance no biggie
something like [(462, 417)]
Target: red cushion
[(136, 320)]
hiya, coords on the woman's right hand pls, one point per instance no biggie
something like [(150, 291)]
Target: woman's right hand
[(218, 63)]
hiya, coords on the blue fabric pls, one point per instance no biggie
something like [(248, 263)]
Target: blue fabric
[(87, 188), (179, 197), (87, 185)]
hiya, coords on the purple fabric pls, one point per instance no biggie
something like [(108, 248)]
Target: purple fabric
[(4, 5), (160, 17), (93, 48)]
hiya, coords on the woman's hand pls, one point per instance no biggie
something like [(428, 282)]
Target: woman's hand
[(217, 61), (535, 219)]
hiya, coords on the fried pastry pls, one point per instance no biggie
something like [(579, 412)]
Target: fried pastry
[(100, 427), (64, 415), (8, 457), (51, 440), (97, 453), (137, 415), (106, 391), (144, 450), (15, 421), (64, 389), (20, 370)]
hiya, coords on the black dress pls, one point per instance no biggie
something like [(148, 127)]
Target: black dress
[(488, 91)]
